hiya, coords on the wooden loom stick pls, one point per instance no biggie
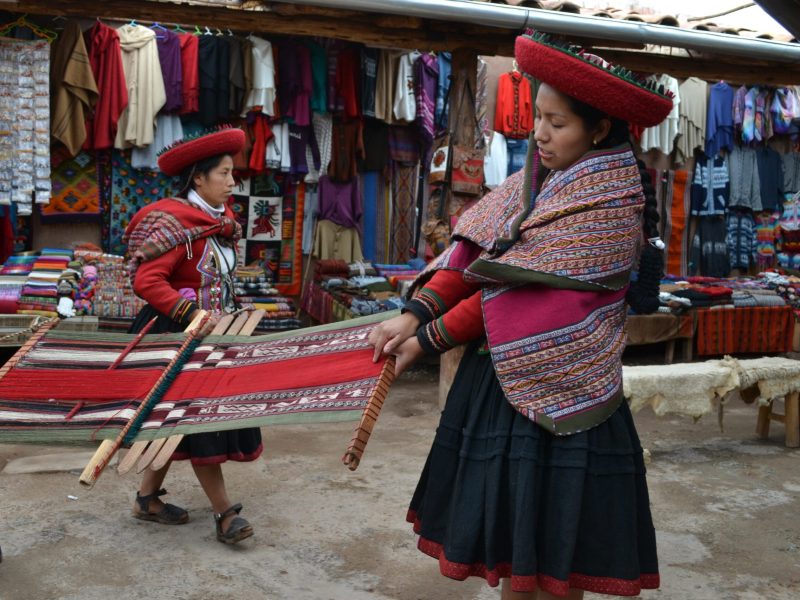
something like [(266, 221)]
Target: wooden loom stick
[(108, 448), (137, 448), (133, 343), (30, 343), (164, 455), (354, 452)]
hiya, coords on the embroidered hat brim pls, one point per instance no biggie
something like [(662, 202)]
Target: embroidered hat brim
[(184, 153), (612, 90)]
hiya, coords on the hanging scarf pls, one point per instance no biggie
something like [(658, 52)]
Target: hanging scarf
[(171, 222), (555, 268)]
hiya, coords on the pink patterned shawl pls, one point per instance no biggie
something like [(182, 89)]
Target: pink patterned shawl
[(555, 268)]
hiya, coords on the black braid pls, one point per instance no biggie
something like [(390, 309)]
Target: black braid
[(643, 293)]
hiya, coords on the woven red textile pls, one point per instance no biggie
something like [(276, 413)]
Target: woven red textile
[(755, 329)]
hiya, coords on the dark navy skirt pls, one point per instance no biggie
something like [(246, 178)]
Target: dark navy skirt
[(501, 497), (208, 448)]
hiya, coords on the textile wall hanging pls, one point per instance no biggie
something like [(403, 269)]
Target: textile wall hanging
[(403, 213), (677, 200), (72, 387), (270, 210), (24, 123), (132, 189), (754, 329), (75, 195)]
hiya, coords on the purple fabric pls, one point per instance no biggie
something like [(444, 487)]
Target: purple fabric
[(425, 84), (299, 138), (340, 202), (335, 101), (296, 86), (719, 126), (169, 54)]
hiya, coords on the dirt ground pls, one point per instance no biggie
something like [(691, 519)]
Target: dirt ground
[(726, 507)]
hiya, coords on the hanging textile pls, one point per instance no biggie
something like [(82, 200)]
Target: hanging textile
[(73, 88), (190, 73), (105, 56), (404, 212), (761, 329), (691, 118), (24, 123), (133, 189), (146, 92), (677, 197), (270, 209), (76, 194), (369, 183)]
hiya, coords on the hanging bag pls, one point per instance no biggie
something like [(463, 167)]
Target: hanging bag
[(439, 170), (436, 227), (466, 175)]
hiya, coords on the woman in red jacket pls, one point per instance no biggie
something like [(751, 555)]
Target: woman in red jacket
[(182, 259)]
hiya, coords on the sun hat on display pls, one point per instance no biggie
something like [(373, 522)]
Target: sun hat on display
[(612, 89), (189, 150)]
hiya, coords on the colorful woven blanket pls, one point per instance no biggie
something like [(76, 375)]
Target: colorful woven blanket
[(62, 390)]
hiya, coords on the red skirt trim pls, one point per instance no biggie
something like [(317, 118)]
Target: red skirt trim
[(531, 583), (219, 458)]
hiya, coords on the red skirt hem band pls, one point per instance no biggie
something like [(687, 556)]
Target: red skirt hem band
[(219, 458), (531, 583)]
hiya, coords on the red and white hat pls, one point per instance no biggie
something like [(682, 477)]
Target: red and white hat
[(586, 77), (183, 153)]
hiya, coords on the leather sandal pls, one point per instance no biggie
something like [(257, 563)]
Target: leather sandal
[(169, 515), (238, 529)]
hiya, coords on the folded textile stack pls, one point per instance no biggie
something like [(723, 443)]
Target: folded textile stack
[(13, 276), (40, 295), (342, 291), (253, 289)]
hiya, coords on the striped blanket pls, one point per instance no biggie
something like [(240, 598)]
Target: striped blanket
[(62, 390)]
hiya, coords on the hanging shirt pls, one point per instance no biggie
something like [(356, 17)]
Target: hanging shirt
[(190, 73), (323, 131), (169, 57), (495, 163), (294, 74), (145, 86), (388, 63), (105, 56), (662, 136), (376, 146), (168, 131), (73, 89), (236, 79), (263, 92), (427, 77), (302, 138), (319, 77), (442, 88), (369, 80), (278, 156), (691, 118), (710, 189), (332, 49), (513, 115), (405, 106), (719, 126), (791, 172), (348, 146), (741, 238), (770, 174), (339, 202), (745, 184), (348, 66), (214, 64)]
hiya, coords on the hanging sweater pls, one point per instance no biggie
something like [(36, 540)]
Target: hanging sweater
[(513, 115), (146, 94), (691, 118)]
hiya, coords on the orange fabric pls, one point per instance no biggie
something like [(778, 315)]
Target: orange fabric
[(753, 329), (677, 248)]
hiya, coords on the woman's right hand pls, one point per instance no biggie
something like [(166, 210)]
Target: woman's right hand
[(388, 336)]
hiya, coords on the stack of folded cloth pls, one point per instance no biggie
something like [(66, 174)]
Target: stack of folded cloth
[(39, 294), (757, 297), (13, 275), (253, 289), (706, 297)]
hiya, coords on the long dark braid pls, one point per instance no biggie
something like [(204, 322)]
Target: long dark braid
[(642, 294)]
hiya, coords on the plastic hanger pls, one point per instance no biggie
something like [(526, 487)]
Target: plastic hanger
[(197, 31), (38, 31), (178, 29), (158, 26), (208, 31), (514, 66)]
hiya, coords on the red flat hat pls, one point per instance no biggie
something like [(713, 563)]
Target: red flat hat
[(588, 78), (174, 159)]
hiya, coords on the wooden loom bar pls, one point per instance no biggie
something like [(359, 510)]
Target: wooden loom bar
[(137, 448), (29, 343), (105, 452), (354, 452)]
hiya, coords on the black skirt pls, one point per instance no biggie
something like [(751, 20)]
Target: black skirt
[(208, 448), (501, 497)]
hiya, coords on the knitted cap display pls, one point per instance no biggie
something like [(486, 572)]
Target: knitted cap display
[(187, 151), (612, 89)]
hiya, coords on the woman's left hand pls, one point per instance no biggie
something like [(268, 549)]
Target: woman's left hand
[(406, 354)]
